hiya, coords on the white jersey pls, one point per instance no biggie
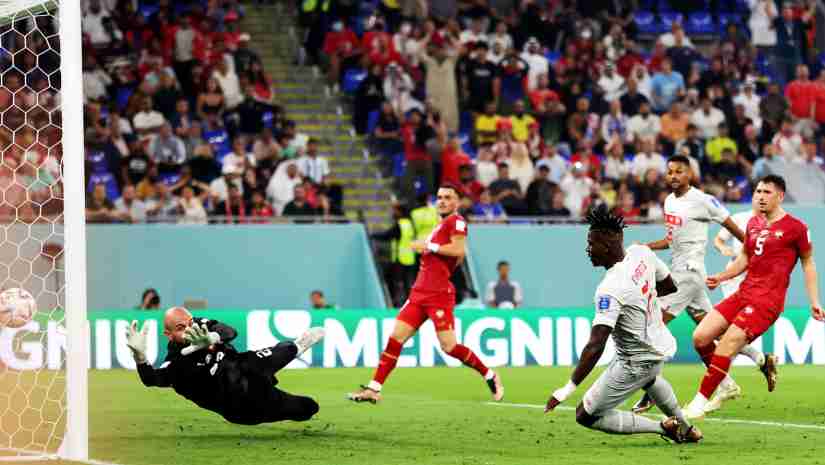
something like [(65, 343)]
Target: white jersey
[(626, 301), (687, 219), (741, 219)]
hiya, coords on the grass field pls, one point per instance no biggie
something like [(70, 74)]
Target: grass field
[(442, 416)]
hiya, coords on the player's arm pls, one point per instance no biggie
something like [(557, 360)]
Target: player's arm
[(664, 281), (456, 247), (136, 341), (736, 268), (661, 244), (590, 355), (720, 243), (735, 231), (812, 283)]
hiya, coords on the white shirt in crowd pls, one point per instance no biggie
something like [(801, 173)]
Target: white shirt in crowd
[(790, 147), (626, 301), (575, 191), (707, 123), (644, 127), (193, 212), (94, 84), (669, 40), (151, 119), (613, 86), (751, 105), (761, 22), (687, 219), (315, 168), (645, 161), (93, 26), (468, 36), (137, 210), (538, 65), (236, 162), (230, 85)]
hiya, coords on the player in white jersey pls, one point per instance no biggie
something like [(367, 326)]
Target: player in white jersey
[(626, 307), (731, 247), (688, 213)]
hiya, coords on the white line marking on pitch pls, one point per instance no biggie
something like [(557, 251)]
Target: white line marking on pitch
[(717, 420)]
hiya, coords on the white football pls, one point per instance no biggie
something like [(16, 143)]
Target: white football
[(17, 308)]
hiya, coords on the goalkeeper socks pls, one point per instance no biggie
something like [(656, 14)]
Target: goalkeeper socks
[(387, 362), (757, 356), (662, 393), (706, 353), (469, 359), (717, 371), (619, 422)]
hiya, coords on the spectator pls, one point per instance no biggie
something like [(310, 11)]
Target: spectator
[(167, 151), (440, 62), (791, 44), (211, 102), (98, 208), (773, 107), (707, 119), (612, 84), (452, 160), (647, 159), (99, 27), (266, 150), (591, 162), (343, 49), (536, 62), (228, 82), (95, 80), (260, 208), (667, 86), (162, 207), (147, 121), (761, 25), (558, 208), (313, 166), (750, 101), (239, 159), (644, 125), (191, 207), (676, 37), (232, 207), (507, 191), (319, 302), (632, 100), (129, 208), (616, 167), (368, 98), (150, 300), (482, 81), (419, 160), (583, 124), (576, 186), (486, 126), (627, 208), (615, 124), (718, 144), (398, 88), (556, 163), (281, 187), (184, 59), (299, 206), (521, 121), (504, 293), (788, 142), (489, 209), (540, 192), (801, 94), (675, 124)]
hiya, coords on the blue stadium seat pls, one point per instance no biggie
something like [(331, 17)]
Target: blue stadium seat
[(553, 56), (700, 23), (219, 140), (169, 179), (267, 119), (372, 121), (399, 164), (467, 145), (725, 18), (108, 180), (122, 98), (353, 79), (148, 10), (669, 18), (646, 23), (465, 123)]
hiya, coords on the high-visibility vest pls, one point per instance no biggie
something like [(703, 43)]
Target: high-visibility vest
[(392, 4), (402, 251), (310, 5), (425, 219)]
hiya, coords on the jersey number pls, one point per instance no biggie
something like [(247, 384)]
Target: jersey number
[(263, 353), (760, 245), (646, 292)]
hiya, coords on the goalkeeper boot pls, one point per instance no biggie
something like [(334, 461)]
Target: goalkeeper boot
[(310, 337), (365, 394), (769, 370), (679, 432)]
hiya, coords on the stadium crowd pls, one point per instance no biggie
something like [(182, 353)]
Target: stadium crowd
[(550, 108), (181, 120)]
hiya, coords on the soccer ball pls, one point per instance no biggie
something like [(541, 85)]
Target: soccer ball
[(17, 308)]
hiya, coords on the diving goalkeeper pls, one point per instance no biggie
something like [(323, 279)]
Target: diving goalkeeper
[(203, 366)]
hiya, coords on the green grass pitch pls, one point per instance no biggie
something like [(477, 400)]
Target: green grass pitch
[(442, 416)]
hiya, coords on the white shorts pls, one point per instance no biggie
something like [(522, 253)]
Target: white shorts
[(619, 382), (690, 295), (732, 285)]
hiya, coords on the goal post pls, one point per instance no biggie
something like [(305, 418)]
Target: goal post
[(43, 365)]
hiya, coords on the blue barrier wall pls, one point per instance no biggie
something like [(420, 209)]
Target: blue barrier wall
[(258, 266), (551, 265)]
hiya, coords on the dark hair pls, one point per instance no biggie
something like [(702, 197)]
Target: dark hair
[(776, 180), (601, 219), (502, 263), (453, 187), (679, 159), (318, 292), (155, 300)]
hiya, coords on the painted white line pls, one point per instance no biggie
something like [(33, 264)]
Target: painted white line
[(715, 420), (33, 456)]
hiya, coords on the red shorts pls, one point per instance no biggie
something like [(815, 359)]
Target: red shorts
[(435, 306), (750, 315)]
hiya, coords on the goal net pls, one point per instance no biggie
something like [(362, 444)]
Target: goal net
[(42, 363)]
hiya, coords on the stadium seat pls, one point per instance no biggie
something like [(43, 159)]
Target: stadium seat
[(148, 10), (267, 118), (108, 180), (465, 123), (399, 164), (353, 79), (372, 121), (122, 98), (700, 23), (725, 18), (467, 144), (669, 18), (219, 140), (646, 23), (169, 179), (553, 56)]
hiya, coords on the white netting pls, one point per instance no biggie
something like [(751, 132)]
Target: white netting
[(32, 377)]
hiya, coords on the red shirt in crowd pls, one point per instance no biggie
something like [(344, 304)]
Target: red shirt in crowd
[(343, 43), (592, 161), (412, 151), (539, 97), (451, 161), (801, 95), (627, 62)]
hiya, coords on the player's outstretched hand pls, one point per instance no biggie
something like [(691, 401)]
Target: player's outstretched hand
[(136, 341), (560, 395), (198, 337), (817, 313), (419, 247), (713, 282), (552, 403)]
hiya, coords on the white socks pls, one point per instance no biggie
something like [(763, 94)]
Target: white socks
[(490, 374), (753, 354), (374, 385)]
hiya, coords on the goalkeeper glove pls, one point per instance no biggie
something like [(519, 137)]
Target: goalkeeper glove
[(559, 396), (136, 341), (199, 337)]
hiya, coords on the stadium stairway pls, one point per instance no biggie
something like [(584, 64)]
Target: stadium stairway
[(302, 92)]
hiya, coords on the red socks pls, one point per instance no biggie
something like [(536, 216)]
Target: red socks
[(388, 360), (717, 371), (706, 353), (469, 359)]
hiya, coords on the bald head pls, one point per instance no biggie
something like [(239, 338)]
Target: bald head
[(175, 322)]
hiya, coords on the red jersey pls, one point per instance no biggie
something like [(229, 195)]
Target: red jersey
[(436, 269), (772, 252)]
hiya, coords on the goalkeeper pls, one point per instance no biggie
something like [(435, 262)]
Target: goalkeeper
[(202, 366)]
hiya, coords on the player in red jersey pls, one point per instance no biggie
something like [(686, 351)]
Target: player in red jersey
[(432, 297), (774, 241)]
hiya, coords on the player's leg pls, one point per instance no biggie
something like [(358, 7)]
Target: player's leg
[(270, 360), (409, 319), (450, 346)]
